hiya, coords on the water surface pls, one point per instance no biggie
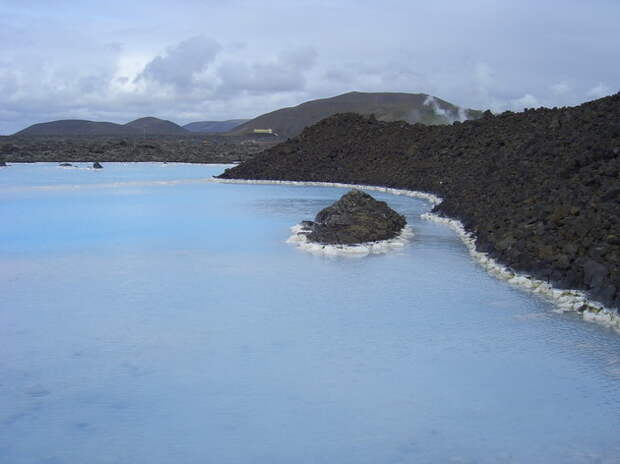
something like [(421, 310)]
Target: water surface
[(149, 321)]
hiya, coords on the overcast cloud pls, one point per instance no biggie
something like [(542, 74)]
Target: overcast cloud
[(203, 60)]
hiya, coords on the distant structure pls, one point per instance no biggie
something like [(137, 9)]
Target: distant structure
[(263, 131)]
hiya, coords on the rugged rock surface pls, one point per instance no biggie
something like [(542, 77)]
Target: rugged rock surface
[(355, 218), (192, 148), (539, 189), (2, 163)]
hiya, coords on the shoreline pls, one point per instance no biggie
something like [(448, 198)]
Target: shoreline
[(564, 300), (358, 250), (164, 163)]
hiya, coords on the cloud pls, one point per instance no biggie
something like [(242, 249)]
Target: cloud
[(338, 76), (70, 58), (526, 101), (92, 84), (286, 73), (115, 47), (560, 88), (484, 77), (180, 65), (301, 59), (599, 91), (8, 82)]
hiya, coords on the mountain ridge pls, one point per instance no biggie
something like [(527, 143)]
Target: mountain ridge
[(152, 125), (214, 127), (67, 127), (285, 122), (386, 106)]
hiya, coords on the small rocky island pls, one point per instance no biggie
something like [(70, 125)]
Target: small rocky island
[(355, 218)]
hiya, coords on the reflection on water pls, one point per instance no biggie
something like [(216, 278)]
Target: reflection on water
[(157, 324)]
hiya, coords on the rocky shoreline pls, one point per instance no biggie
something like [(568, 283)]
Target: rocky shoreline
[(565, 300), (538, 190)]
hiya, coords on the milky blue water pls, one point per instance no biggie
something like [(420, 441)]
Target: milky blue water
[(147, 321)]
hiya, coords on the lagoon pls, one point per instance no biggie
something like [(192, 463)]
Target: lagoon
[(148, 315)]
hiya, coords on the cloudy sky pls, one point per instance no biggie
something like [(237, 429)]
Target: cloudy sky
[(193, 60)]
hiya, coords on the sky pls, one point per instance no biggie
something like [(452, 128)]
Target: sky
[(194, 60)]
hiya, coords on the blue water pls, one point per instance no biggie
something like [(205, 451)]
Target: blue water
[(151, 322)]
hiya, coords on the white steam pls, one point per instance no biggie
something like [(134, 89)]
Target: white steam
[(450, 116)]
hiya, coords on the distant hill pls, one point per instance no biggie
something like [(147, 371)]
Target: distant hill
[(410, 107), (151, 125), (214, 127), (73, 127), (68, 127), (285, 122)]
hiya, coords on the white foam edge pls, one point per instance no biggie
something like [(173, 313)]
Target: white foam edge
[(433, 199), (300, 239), (564, 300)]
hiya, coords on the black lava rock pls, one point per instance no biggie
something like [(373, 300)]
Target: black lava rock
[(540, 189), (96, 165), (185, 148), (355, 218)]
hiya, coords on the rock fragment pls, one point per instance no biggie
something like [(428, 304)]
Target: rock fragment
[(355, 218)]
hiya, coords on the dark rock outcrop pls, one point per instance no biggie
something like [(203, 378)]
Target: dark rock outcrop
[(65, 165), (97, 165), (540, 189), (355, 218), (2, 164), (184, 148)]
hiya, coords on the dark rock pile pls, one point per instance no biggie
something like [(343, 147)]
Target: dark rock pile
[(355, 218), (539, 189), (192, 148), (97, 165)]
